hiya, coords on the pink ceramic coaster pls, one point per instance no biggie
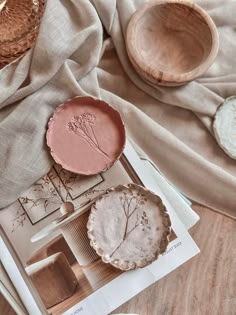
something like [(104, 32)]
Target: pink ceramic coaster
[(86, 135)]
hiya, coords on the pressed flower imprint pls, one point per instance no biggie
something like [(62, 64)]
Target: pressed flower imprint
[(131, 205), (83, 126)]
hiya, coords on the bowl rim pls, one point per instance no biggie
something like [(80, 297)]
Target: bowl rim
[(162, 77)]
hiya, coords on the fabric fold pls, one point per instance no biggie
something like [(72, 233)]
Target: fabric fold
[(173, 126)]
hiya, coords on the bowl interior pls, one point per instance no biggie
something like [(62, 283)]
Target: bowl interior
[(173, 38)]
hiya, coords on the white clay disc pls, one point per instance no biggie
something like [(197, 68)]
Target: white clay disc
[(225, 126), (129, 227)]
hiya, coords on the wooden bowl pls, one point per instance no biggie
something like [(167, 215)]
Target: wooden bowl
[(171, 42)]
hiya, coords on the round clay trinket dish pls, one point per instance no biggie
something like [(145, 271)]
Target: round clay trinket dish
[(171, 42), (86, 135), (129, 227), (225, 126)]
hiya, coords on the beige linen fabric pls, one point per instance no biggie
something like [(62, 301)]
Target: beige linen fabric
[(173, 126)]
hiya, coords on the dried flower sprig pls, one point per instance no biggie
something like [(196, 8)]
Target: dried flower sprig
[(82, 126)]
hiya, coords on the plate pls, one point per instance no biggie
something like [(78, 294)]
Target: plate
[(224, 126), (129, 227), (86, 135)]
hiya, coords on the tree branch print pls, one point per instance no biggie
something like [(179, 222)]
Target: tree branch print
[(48, 195), (19, 219), (131, 204), (42, 195)]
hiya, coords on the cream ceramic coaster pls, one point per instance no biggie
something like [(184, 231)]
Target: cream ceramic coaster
[(129, 227), (225, 126)]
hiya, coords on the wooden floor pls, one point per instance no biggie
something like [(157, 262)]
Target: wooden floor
[(206, 285), (5, 308)]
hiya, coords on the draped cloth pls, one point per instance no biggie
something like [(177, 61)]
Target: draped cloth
[(80, 50)]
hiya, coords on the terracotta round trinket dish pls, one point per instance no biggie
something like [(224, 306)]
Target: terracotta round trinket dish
[(171, 42), (129, 227), (225, 126), (86, 135)]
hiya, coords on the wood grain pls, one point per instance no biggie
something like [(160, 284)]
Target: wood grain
[(5, 308), (206, 285), (171, 42)]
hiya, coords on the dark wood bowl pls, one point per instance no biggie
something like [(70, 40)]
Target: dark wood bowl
[(171, 42)]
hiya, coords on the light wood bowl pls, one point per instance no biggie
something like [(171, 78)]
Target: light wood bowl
[(171, 42)]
